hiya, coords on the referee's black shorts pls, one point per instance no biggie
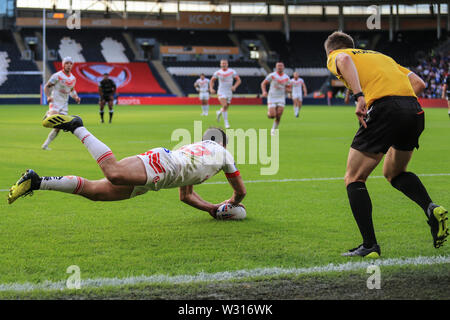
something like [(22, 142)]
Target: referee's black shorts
[(107, 97), (391, 121)]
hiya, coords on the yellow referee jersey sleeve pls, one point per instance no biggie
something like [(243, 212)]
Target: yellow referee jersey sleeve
[(379, 75)]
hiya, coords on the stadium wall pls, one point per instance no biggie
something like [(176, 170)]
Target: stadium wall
[(155, 100)]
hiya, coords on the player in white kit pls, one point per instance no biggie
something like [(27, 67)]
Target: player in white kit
[(202, 87), (156, 169), (298, 91), (226, 76), (62, 84), (276, 98)]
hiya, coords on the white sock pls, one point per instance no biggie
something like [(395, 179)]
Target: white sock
[(206, 109), (275, 125), (51, 136), (296, 110), (225, 115), (68, 184), (99, 151)]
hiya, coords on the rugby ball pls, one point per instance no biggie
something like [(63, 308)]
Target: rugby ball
[(229, 212)]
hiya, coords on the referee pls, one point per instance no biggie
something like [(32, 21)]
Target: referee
[(391, 121), (106, 90)]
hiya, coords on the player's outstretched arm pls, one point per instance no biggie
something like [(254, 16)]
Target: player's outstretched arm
[(239, 190), (188, 196)]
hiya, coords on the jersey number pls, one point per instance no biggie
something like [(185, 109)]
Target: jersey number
[(197, 150)]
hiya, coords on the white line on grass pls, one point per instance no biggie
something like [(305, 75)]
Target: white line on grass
[(322, 179), (227, 275), (307, 179)]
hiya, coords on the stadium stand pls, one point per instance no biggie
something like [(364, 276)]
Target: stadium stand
[(303, 53), (186, 72), (91, 43), (4, 64), (113, 51), (433, 70), (186, 37), (69, 47), (11, 61)]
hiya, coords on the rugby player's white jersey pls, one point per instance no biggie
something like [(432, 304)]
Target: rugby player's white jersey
[(63, 85), (189, 165), (297, 86), (225, 78), (278, 84), (203, 85)]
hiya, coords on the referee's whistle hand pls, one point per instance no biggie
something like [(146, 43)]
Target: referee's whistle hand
[(361, 111)]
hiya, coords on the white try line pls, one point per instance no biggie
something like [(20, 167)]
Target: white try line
[(307, 179), (226, 275), (321, 179)]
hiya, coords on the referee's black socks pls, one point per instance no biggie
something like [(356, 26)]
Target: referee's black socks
[(362, 211), (412, 187)]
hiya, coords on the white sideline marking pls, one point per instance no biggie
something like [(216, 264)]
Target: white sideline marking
[(226, 275), (322, 179), (307, 179)]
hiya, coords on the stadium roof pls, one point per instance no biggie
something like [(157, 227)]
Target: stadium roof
[(322, 2)]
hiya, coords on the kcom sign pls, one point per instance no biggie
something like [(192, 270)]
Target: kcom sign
[(205, 19), (202, 20)]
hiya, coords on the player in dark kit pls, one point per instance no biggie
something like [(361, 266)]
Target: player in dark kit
[(106, 90), (391, 121)]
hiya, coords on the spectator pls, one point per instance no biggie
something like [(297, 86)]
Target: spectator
[(433, 71)]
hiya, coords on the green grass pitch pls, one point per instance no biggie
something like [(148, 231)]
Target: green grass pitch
[(289, 224)]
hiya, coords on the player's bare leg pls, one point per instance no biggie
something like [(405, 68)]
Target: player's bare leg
[(205, 107), (223, 111), (53, 133), (128, 172), (102, 112), (272, 114), (277, 113), (297, 107), (104, 190), (111, 108), (99, 190)]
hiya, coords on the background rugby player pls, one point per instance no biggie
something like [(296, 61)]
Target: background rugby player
[(106, 89)]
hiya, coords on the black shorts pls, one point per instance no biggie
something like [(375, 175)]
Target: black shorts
[(107, 97), (391, 121)]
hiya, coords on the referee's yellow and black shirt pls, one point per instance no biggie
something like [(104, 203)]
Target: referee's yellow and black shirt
[(379, 75)]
